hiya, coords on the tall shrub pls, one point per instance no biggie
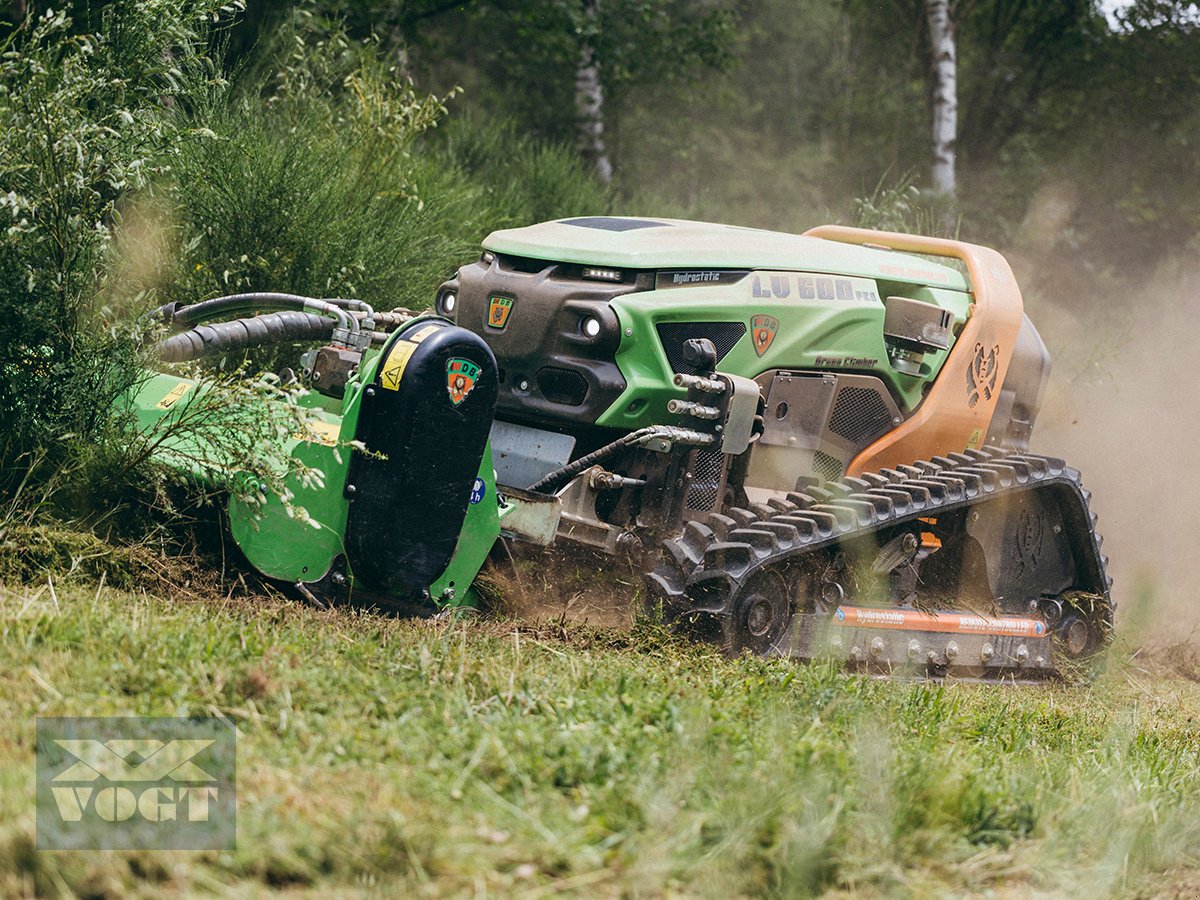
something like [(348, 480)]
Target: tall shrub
[(84, 120)]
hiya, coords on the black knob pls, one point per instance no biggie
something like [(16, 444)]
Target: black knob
[(700, 354)]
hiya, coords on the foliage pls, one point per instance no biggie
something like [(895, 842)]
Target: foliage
[(524, 53), (233, 435), (133, 170), (82, 122), (1129, 138), (901, 206), (306, 182), (316, 180), (518, 179)]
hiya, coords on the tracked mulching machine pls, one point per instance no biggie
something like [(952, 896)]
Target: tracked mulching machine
[(813, 446)]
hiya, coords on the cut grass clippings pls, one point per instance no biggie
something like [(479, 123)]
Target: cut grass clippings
[(445, 758)]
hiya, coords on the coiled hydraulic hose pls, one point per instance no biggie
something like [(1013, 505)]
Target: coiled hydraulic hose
[(239, 334), (196, 313)]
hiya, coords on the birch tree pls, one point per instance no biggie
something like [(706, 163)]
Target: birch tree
[(589, 98), (944, 51), (563, 69)]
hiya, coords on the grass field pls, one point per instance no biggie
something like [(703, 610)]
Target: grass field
[(497, 757)]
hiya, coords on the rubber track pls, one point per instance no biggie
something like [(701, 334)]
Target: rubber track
[(702, 570)]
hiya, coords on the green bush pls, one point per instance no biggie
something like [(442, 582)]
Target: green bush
[(326, 179), (84, 121)]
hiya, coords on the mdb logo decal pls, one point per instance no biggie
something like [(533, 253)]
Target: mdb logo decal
[(135, 784), (499, 309)]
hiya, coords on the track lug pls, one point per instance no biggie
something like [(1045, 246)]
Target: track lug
[(760, 539), (743, 517), (696, 536), (787, 535), (843, 519), (864, 512), (733, 558), (665, 587), (679, 559), (720, 525), (804, 526), (802, 501), (882, 504), (919, 495), (900, 500), (988, 479)]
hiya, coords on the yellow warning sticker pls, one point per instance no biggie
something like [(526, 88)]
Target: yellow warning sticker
[(393, 366), (174, 396), (973, 441), (421, 333), (321, 432)]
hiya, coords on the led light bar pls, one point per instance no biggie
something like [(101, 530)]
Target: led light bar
[(602, 274)]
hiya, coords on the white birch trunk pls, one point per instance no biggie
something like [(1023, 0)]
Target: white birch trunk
[(589, 104), (945, 93)]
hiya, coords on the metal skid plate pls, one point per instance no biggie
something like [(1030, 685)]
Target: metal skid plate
[(525, 455), (530, 517)]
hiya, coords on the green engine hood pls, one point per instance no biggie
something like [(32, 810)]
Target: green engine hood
[(636, 243)]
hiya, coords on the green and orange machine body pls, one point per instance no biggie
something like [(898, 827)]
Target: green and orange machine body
[(589, 380)]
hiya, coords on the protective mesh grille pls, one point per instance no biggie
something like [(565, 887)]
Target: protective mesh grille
[(562, 386), (673, 334), (828, 467), (707, 468), (859, 415)]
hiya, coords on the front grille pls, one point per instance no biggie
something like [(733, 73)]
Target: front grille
[(673, 335), (704, 492), (859, 415), (562, 386)]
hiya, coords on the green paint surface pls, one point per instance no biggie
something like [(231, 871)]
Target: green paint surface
[(813, 335), (703, 245), (291, 548)]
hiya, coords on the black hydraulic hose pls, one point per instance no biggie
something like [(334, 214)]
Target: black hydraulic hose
[(559, 477), (195, 313), (240, 334)]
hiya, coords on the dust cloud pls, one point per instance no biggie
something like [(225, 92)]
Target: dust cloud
[(1123, 407)]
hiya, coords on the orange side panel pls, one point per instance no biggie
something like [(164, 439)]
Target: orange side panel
[(958, 409)]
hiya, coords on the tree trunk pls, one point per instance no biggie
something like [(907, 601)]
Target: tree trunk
[(945, 93), (589, 102)]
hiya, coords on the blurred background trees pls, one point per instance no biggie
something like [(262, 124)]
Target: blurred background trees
[(780, 112)]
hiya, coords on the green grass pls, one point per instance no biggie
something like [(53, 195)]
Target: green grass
[(491, 756)]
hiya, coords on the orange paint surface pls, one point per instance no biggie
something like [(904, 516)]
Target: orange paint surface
[(951, 418), (947, 622)]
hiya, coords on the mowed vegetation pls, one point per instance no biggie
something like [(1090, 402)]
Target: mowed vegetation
[(490, 756)]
